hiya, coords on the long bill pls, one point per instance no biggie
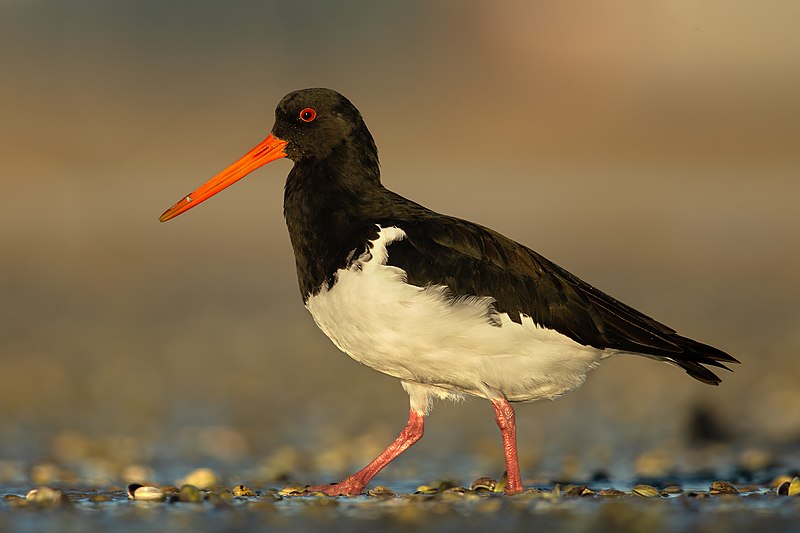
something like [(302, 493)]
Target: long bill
[(266, 151)]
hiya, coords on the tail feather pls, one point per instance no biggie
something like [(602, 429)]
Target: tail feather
[(695, 354)]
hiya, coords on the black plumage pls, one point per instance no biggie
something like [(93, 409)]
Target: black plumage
[(334, 204)]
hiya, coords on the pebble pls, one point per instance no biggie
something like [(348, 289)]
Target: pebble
[(202, 478), (46, 496), (458, 493), (789, 487), (484, 484), (382, 492), (645, 491), (794, 487), (426, 489), (132, 488), (436, 487), (610, 493), (241, 491), (221, 498), (190, 494), (170, 489), (722, 487), (15, 501), (581, 490), (148, 493), (780, 480), (292, 490)]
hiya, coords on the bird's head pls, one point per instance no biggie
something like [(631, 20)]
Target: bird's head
[(310, 125)]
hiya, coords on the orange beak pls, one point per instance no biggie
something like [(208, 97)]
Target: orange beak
[(267, 150)]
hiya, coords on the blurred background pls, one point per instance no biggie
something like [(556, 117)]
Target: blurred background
[(652, 148)]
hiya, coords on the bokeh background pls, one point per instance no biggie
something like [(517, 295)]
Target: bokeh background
[(650, 147)]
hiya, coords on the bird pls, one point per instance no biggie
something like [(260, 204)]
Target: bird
[(449, 307)]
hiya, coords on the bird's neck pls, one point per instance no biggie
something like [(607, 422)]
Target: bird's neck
[(328, 205)]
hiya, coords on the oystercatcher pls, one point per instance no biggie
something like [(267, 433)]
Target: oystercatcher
[(447, 306)]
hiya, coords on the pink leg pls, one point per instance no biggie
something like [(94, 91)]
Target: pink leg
[(355, 484), (504, 414)]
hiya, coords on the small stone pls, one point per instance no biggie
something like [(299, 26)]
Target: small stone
[(671, 489), (426, 489), (46, 496), (227, 496), (778, 481), (15, 501), (610, 493), (645, 491), (292, 490), (484, 484), (241, 491), (794, 487), (99, 498), (219, 499), (458, 493), (382, 492), (147, 493), (535, 494), (722, 487), (202, 478), (578, 490), (132, 488), (190, 494)]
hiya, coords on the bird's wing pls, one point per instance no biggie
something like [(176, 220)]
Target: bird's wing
[(473, 260)]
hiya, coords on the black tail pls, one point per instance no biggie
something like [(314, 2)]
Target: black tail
[(695, 355)]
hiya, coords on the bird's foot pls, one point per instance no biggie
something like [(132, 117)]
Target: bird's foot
[(351, 486), (511, 485)]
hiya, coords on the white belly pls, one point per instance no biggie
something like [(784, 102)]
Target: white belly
[(421, 335)]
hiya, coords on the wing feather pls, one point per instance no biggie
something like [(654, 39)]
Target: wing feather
[(471, 259)]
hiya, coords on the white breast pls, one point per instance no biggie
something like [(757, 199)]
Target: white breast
[(422, 335)]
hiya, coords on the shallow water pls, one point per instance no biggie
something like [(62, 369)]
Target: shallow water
[(544, 505)]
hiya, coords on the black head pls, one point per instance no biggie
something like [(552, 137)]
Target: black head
[(318, 129), (318, 122)]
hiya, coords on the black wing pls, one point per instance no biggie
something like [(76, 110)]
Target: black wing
[(471, 259)]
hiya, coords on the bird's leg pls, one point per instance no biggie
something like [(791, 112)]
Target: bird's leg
[(354, 485), (504, 414)]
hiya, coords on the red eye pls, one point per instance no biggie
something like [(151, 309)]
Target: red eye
[(308, 114)]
